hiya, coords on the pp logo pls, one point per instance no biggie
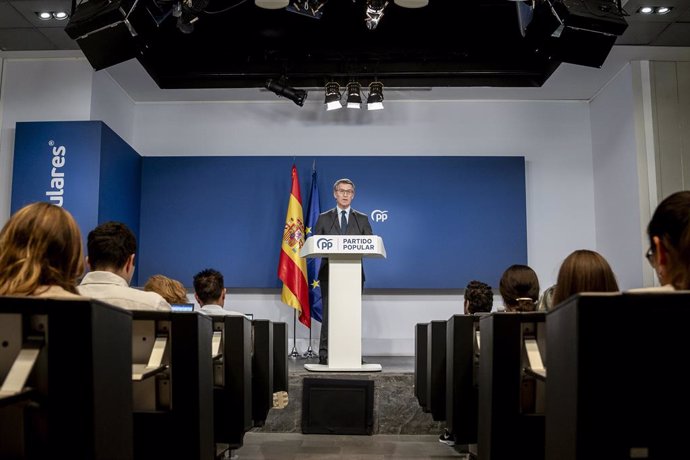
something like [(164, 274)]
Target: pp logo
[(324, 243), (379, 216)]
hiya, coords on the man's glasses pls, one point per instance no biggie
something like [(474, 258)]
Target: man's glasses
[(649, 255), (345, 192)]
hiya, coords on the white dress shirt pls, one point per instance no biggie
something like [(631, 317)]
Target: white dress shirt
[(115, 290)]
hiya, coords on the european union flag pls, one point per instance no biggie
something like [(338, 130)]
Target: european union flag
[(314, 209)]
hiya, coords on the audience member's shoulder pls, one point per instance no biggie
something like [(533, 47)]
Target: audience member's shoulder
[(650, 290), (57, 292)]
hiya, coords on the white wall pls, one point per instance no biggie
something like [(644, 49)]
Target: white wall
[(617, 203), (554, 137), (38, 89)]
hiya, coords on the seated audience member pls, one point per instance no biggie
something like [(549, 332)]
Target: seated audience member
[(40, 253), (669, 242), (479, 298), (519, 288), (584, 271), (209, 291), (546, 300), (171, 290), (111, 247)]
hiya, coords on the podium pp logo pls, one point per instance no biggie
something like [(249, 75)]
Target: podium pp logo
[(379, 216), (324, 243)]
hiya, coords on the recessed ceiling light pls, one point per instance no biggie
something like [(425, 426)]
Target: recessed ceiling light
[(43, 15), (646, 10), (60, 15), (663, 10)]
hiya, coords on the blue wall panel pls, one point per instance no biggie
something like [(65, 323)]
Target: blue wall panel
[(449, 219), (102, 173)]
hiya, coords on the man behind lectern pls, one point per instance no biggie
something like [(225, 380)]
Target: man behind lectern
[(341, 220)]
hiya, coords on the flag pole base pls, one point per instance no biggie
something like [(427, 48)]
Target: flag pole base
[(294, 354), (310, 353)]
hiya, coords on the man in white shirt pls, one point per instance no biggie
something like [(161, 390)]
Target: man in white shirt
[(209, 291), (111, 249)]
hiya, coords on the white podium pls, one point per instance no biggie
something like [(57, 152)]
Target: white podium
[(345, 253)]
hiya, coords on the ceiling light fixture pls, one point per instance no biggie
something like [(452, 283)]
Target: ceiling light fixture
[(60, 15), (272, 4), (663, 10), (411, 3), (374, 13), (375, 98), (354, 95), (44, 15), (333, 96), (282, 89), (309, 8)]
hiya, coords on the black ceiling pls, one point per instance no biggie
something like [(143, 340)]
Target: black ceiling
[(237, 44)]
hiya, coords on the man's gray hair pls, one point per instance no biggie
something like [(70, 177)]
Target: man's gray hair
[(343, 181)]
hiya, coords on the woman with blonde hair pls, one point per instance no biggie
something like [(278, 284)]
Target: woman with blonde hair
[(171, 290), (40, 253)]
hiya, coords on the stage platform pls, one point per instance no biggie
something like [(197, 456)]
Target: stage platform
[(396, 410)]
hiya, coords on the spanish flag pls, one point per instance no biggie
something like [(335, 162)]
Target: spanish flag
[(292, 269)]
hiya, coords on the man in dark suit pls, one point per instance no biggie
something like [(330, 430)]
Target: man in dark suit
[(341, 220)]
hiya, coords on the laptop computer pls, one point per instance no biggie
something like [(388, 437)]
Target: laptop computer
[(182, 306)]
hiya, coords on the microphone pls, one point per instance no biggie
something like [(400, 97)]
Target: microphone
[(330, 230), (359, 229)]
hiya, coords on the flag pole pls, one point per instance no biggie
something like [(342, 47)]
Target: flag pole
[(310, 352), (294, 354)]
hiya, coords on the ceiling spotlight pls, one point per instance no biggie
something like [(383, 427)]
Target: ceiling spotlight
[(282, 89), (411, 3), (375, 98), (646, 10), (663, 10), (272, 4), (44, 15), (309, 8), (354, 95), (60, 15), (374, 12), (333, 96)]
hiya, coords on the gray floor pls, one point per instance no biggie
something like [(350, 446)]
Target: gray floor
[(297, 446), (289, 446)]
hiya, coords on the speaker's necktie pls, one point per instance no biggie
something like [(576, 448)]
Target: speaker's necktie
[(343, 223)]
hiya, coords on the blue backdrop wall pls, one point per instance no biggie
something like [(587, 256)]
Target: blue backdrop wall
[(448, 220), (81, 165)]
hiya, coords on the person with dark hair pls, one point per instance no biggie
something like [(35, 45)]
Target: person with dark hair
[(171, 290), (479, 298), (341, 220), (209, 291), (111, 249), (40, 252), (519, 288), (583, 271), (669, 241)]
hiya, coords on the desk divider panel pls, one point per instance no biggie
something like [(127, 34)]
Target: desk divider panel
[(280, 357), (436, 369), (173, 415), (77, 400), (511, 412), (262, 371), (618, 383), (420, 364), (232, 395), (462, 368)]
